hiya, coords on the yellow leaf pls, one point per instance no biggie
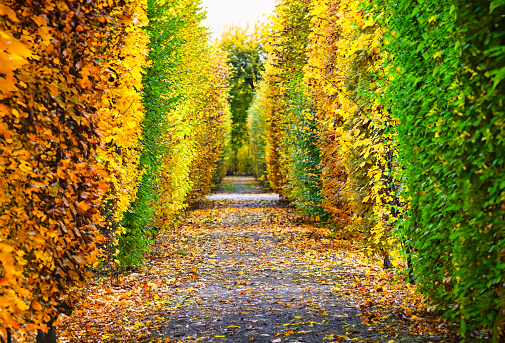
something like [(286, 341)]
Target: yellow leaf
[(6, 248), (132, 124)]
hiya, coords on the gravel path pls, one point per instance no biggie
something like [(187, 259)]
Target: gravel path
[(250, 286), (249, 197)]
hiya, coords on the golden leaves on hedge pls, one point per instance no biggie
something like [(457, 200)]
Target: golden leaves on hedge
[(121, 120), (199, 119), (357, 137), (51, 184), (286, 56), (214, 127)]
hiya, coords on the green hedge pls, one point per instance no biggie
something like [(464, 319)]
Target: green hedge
[(139, 220), (303, 155), (446, 87)]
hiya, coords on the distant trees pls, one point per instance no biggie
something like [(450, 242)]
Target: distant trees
[(245, 58)]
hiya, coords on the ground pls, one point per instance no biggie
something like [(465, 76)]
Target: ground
[(245, 267)]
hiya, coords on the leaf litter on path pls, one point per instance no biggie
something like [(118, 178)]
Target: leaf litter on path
[(235, 272)]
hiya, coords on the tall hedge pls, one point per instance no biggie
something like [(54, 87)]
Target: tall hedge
[(292, 155), (88, 127), (356, 136), (53, 77), (140, 219), (120, 123), (213, 127), (409, 100), (185, 97), (256, 125), (302, 153), (446, 88)]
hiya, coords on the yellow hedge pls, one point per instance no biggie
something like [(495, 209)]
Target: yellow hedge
[(357, 137), (65, 69)]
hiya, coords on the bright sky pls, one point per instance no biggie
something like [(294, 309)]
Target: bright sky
[(222, 13)]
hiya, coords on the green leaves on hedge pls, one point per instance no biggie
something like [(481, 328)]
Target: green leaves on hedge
[(447, 62)]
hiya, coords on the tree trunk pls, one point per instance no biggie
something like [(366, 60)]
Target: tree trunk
[(410, 267), (9, 337), (387, 262), (50, 336)]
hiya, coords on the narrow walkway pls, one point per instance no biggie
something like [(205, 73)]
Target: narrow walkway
[(243, 267), (250, 285)]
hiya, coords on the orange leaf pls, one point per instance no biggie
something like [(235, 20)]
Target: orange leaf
[(36, 306), (82, 207), (79, 259), (4, 10), (100, 239)]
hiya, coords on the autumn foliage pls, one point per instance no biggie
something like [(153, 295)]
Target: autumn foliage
[(357, 136), (52, 184), (186, 124), (213, 128), (291, 155), (121, 122), (83, 159), (381, 119), (394, 133)]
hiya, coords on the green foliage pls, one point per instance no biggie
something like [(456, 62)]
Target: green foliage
[(257, 126), (303, 154), (139, 220), (446, 88), (245, 59)]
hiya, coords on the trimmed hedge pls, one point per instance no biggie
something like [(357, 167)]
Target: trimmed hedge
[(445, 85)]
